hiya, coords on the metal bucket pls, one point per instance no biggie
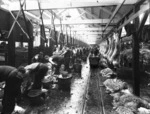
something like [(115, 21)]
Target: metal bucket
[(36, 99), (77, 68), (94, 61), (64, 83)]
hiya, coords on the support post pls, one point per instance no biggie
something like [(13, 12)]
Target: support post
[(66, 35), (70, 37), (135, 53), (30, 41), (11, 47), (67, 39), (42, 40), (52, 19), (51, 42), (136, 36)]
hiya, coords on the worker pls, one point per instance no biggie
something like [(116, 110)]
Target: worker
[(13, 79), (37, 71), (38, 58), (56, 61)]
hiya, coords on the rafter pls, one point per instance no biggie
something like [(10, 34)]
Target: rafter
[(89, 33), (90, 29), (87, 21)]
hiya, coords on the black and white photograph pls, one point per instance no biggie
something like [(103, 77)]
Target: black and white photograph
[(74, 56)]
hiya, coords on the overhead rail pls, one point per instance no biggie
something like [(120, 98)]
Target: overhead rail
[(133, 16), (114, 13)]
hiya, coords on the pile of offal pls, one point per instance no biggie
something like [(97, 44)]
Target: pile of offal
[(124, 101)]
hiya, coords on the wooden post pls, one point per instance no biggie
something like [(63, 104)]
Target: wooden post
[(73, 39), (30, 41), (66, 35), (136, 72), (52, 19), (11, 47), (51, 43), (136, 36), (42, 40), (67, 39), (70, 37), (50, 40)]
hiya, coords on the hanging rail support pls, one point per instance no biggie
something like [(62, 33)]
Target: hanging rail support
[(41, 12), (30, 42), (53, 18), (28, 32), (126, 15), (114, 14)]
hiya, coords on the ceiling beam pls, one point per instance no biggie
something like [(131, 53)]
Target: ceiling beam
[(87, 21), (62, 5), (114, 13), (89, 29), (143, 9), (89, 33)]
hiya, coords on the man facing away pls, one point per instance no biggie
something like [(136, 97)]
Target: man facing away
[(13, 78)]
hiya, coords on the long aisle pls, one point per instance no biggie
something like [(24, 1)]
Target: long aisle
[(98, 102)]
